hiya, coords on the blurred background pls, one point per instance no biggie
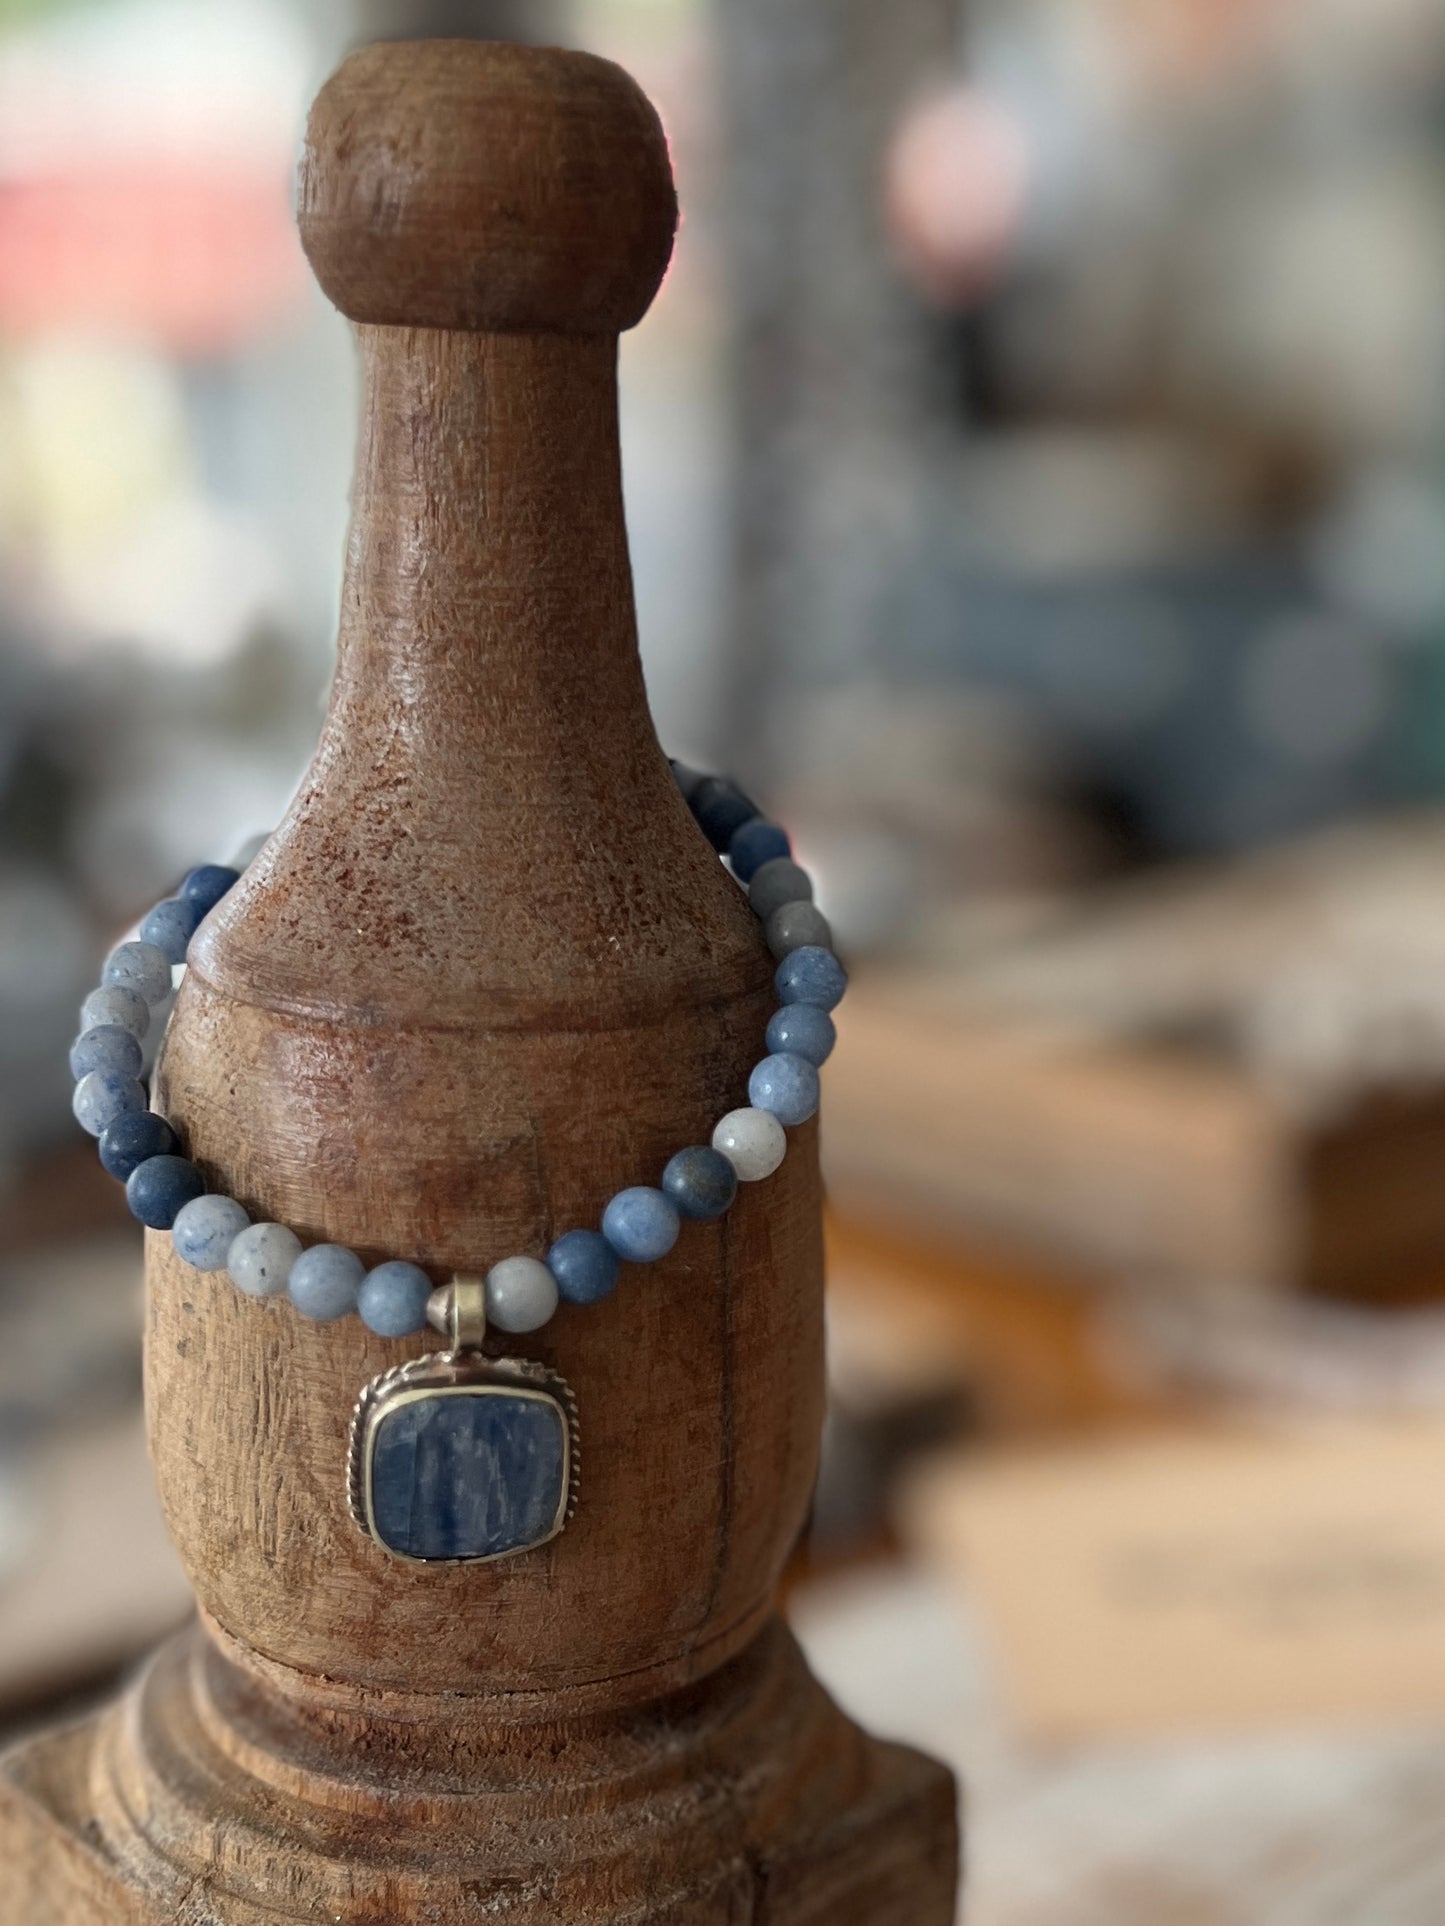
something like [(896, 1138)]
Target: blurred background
[(1035, 470)]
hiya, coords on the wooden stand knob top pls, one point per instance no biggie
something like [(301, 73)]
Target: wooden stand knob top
[(474, 185)]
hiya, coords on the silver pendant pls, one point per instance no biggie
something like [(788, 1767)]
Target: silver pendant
[(458, 1458)]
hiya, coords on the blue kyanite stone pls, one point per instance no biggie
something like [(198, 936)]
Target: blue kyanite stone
[(469, 1473)]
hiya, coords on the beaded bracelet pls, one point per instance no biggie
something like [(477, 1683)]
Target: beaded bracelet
[(455, 1456)]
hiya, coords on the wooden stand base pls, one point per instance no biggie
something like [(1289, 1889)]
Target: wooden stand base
[(201, 1798)]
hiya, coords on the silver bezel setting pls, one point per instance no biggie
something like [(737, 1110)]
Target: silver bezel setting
[(456, 1373)]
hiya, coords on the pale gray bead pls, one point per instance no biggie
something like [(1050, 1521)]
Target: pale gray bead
[(795, 924), (110, 1004), (753, 1141), (205, 1230), (521, 1294), (140, 967), (101, 1096), (777, 882), (325, 1282), (260, 1259)]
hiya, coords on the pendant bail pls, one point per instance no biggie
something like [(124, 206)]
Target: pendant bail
[(459, 1309)]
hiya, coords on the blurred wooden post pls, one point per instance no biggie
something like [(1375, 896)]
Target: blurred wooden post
[(838, 394), (486, 972)]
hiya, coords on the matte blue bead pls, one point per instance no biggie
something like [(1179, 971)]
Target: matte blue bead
[(140, 967), (721, 809), (128, 1140), (205, 887), (159, 1189), (785, 1085), (468, 1474), (757, 842), (775, 884), (700, 1181), (205, 1230), (106, 1047), (802, 1030), (584, 1265), (392, 1300), (640, 1224), (811, 975), (101, 1096), (325, 1282), (109, 1004), (170, 926)]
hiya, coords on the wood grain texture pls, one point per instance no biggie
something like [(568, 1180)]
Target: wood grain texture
[(486, 972)]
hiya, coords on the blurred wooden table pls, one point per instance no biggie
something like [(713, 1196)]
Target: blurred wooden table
[(1298, 1829)]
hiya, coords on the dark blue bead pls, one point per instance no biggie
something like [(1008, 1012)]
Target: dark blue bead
[(205, 887), (160, 1188), (170, 926), (128, 1141), (721, 809), (700, 1181), (686, 778), (106, 1047), (811, 975), (584, 1265), (756, 843), (468, 1474), (802, 1030)]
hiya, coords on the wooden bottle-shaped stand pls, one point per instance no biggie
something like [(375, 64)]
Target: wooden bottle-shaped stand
[(486, 973)]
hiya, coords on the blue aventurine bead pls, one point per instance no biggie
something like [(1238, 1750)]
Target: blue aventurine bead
[(802, 1030), (130, 1139), (785, 1085), (468, 1474), (205, 887), (106, 1047), (160, 1188), (811, 975), (392, 1300), (757, 842), (640, 1224), (584, 1265), (170, 926), (140, 967), (205, 1230), (109, 1004), (700, 1181), (103, 1095), (325, 1282), (721, 809)]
